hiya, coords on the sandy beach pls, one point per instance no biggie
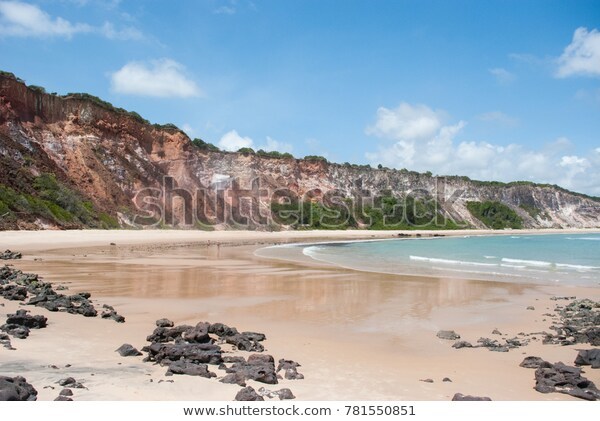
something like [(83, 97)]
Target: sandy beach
[(357, 336)]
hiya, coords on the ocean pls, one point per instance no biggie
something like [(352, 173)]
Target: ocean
[(547, 259)]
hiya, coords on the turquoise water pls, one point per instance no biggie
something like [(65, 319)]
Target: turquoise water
[(561, 258)]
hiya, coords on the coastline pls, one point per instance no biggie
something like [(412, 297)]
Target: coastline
[(356, 335)]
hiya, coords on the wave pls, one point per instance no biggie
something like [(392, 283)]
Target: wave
[(584, 238), (449, 261), (490, 257), (577, 267), (528, 262)]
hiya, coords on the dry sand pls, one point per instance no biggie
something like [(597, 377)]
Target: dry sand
[(358, 336)]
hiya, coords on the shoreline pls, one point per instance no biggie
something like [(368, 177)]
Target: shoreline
[(358, 336)]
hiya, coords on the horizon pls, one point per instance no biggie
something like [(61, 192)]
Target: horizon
[(403, 83)]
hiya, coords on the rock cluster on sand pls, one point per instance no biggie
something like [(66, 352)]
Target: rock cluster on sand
[(561, 378), (579, 323), (18, 286), (190, 350), (16, 389), (10, 255), (20, 323)]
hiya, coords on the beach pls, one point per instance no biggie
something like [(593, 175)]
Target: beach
[(357, 335)]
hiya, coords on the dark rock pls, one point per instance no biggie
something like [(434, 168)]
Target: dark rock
[(127, 350), (16, 389), (164, 323), (14, 292), (496, 332), (462, 344), (165, 334), (448, 334), (532, 362), (531, 308), (196, 353), (260, 368), (23, 319), (189, 368), (197, 334), (63, 398), (285, 394), (248, 394), (234, 378), (222, 330), (10, 255), (244, 343), (561, 378), (110, 313), (426, 380), (233, 359), (19, 332), (66, 392), (447, 380), (588, 357), (70, 382), (461, 397)]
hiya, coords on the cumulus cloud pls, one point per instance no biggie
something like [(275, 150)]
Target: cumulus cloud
[(19, 19), (502, 76), (582, 56), (443, 153), (27, 20), (232, 141), (405, 122), (158, 78)]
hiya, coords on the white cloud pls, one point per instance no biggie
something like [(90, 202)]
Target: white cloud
[(405, 122), (19, 19), (442, 153), (503, 76), (274, 145), (158, 78), (27, 20), (232, 141), (582, 56), (188, 129), (127, 33)]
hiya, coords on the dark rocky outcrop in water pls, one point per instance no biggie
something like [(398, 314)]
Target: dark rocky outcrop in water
[(16, 389)]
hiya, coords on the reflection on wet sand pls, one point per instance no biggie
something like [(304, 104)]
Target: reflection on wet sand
[(286, 291)]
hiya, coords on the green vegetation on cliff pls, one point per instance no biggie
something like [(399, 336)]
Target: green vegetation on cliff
[(52, 202), (495, 215)]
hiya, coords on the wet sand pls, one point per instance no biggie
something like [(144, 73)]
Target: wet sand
[(358, 336)]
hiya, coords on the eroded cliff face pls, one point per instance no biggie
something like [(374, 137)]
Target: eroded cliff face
[(122, 164)]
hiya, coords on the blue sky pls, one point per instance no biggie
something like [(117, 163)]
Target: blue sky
[(506, 90)]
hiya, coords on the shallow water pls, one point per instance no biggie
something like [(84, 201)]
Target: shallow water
[(544, 259)]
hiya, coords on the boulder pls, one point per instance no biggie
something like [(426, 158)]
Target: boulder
[(16, 389), (462, 344), (127, 350), (448, 334), (562, 378), (21, 318), (532, 362), (164, 323), (588, 357), (189, 368), (461, 397), (10, 255), (248, 394)]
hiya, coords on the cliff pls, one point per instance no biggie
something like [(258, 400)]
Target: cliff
[(128, 172)]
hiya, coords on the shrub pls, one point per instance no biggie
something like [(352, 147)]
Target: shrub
[(495, 215)]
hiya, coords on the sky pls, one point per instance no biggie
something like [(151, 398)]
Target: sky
[(494, 90)]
